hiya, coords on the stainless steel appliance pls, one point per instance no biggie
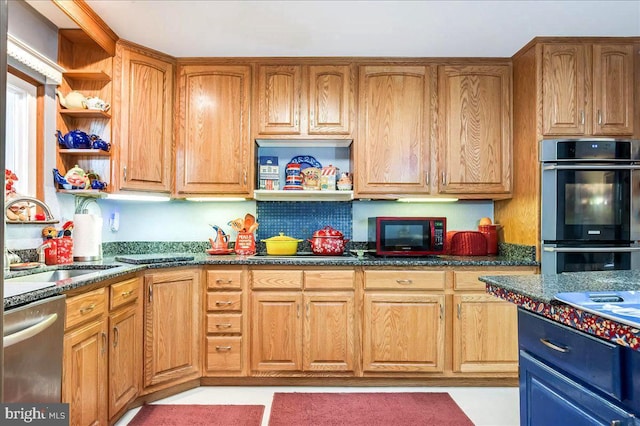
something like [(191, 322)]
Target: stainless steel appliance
[(407, 236), (590, 205), (32, 340)]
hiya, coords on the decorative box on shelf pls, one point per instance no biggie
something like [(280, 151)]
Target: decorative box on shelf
[(269, 173)]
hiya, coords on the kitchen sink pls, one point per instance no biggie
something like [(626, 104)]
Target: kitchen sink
[(55, 276)]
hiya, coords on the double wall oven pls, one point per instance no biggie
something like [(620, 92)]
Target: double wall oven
[(590, 205)]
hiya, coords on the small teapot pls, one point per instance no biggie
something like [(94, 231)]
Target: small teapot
[(73, 100), (97, 143), (75, 139), (96, 103), (220, 240)]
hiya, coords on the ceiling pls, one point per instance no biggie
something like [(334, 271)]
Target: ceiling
[(453, 28)]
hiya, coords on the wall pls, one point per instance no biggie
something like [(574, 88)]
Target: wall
[(182, 220)]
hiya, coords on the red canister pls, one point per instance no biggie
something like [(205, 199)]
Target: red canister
[(51, 251), (490, 232), (65, 250)]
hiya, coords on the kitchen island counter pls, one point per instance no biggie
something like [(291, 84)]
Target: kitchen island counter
[(536, 293)]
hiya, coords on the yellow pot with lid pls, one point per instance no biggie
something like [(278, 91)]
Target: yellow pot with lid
[(281, 245)]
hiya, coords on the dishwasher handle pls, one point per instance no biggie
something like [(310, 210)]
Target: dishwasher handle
[(29, 332)]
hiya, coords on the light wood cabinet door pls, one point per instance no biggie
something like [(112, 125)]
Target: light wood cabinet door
[(329, 334), (393, 151), (587, 89), (84, 379), (144, 128), (331, 99), (213, 149), (276, 324), (403, 332), (125, 356), (564, 103), (485, 335), (474, 117), (172, 328), (279, 93), (613, 89)]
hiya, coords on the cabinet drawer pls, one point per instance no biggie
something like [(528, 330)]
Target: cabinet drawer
[(85, 307), (221, 279), (224, 353), (596, 362), (329, 280), (548, 397), (124, 292), (468, 280), (224, 301), (405, 280), (273, 279), (224, 323)]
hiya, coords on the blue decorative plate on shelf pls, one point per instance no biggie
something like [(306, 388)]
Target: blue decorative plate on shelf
[(306, 161)]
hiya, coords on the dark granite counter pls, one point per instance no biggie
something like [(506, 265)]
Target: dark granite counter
[(112, 268), (536, 293)]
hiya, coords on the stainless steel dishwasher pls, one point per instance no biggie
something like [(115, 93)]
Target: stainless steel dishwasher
[(33, 337)]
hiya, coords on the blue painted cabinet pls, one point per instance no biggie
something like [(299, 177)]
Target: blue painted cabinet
[(568, 377)]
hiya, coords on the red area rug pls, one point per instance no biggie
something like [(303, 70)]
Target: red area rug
[(366, 409), (198, 415)]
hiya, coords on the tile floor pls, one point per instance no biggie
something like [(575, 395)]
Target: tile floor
[(484, 406)]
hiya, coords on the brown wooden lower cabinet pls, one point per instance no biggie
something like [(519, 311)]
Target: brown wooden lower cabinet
[(403, 332), (122, 343), (485, 333), (306, 330), (485, 328), (225, 351), (125, 356), (84, 382), (172, 328), (102, 352)]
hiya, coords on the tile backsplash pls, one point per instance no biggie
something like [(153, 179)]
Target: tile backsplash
[(301, 220)]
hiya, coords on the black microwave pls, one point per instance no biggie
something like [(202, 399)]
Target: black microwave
[(407, 236)]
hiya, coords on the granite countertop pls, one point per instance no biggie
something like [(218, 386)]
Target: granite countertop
[(111, 267), (536, 293), (544, 287)]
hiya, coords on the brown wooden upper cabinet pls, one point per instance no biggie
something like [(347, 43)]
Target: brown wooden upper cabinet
[(144, 120), (587, 89), (392, 154), (213, 147), (474, 122), (304, 101)]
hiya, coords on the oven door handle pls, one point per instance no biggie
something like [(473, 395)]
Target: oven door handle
[(591, 249), (590, 167)]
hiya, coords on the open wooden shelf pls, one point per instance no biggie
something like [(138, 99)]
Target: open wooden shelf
[(87, 76), (93, 152), (85, 113), (282, 195)]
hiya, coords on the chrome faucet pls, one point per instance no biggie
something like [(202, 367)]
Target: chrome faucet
[(47, 211), (40, 250)]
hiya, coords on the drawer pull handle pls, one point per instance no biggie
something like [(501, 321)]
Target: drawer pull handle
[(404, 282), (88, 309), (126, 294), (225, 325), (223, 348), (548, 344), (221, 281), (223, 303)]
